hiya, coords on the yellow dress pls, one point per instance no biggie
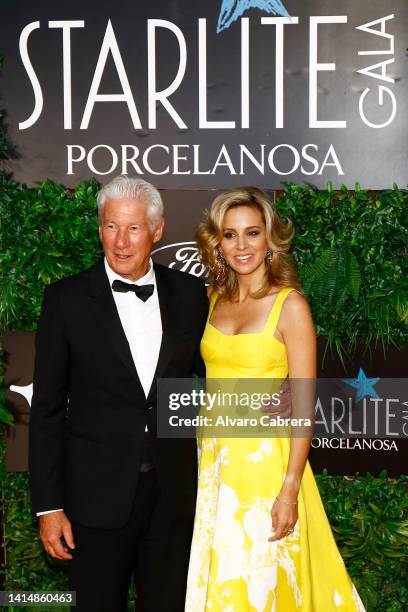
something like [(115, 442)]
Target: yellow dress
[(233, 567)]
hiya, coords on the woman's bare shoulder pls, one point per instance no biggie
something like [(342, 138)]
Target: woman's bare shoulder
[(296, 297), (296, 303)]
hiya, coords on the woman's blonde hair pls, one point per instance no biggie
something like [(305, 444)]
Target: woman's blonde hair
[(280, 269)]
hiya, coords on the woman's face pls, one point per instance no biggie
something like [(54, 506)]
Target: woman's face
[(244, 243)]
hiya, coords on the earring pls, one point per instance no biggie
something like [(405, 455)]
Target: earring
[(268, 256), (220, 269)]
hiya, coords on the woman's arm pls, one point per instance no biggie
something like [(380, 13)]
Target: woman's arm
[(298, 333)]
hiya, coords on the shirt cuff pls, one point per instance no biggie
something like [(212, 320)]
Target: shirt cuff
[(49, 511)]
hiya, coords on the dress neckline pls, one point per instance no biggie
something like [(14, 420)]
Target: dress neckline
[(275, 305)]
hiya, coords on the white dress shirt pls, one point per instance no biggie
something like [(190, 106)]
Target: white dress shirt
[(141, 322)]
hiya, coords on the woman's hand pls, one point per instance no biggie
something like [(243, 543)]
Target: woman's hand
[(284, 408), (284, 517)]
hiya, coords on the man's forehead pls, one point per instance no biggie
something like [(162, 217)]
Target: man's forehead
[(126, 206)]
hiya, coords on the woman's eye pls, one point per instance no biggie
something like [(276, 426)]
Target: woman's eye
[(254, 233), (228, 235)]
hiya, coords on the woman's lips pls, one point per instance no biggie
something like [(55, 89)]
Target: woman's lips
[(243, 258)]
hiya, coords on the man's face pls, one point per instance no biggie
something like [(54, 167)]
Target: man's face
[(127, 237)]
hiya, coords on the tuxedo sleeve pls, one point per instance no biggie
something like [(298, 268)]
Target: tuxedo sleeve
[(199, 367), (49, 406)]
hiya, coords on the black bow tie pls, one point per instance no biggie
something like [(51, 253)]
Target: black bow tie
[(143, 292)]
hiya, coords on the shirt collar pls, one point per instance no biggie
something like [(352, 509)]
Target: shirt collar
[(148, 278)]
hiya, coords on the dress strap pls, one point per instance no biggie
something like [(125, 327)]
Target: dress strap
[(213, 299), (274, 315)]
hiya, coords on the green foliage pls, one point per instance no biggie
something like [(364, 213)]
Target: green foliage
[(351, 249), (47, 233), (334, 276), (369, 518), (27, 563), (334, 279)]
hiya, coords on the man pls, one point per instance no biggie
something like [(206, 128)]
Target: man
[(114, 499)]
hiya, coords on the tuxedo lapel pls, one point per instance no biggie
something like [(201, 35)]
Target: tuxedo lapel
[(168, 313), (105, 308)]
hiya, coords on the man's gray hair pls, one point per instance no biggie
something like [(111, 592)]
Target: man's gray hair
[(132, 189)]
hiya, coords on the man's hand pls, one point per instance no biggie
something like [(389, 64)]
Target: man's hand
[(284, 408), (56, 534)]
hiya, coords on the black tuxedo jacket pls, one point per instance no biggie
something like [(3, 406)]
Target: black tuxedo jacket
[(89, 411)]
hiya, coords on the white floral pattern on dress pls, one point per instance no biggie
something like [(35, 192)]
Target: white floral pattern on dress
[(264, 450)]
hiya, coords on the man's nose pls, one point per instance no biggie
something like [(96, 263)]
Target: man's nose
[(122, 239)]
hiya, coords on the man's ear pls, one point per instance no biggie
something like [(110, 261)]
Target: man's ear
[(158, 232), (100, 232)]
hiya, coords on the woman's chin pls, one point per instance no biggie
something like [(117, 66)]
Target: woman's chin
[(245, 268)]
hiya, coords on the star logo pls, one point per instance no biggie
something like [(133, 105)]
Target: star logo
[(364, 385), (231, 10)]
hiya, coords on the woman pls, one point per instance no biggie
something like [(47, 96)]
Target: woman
[(262, 541)]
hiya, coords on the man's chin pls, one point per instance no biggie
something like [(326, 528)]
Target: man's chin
[(122, 266), (127, 268)]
